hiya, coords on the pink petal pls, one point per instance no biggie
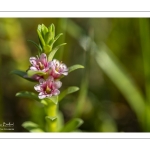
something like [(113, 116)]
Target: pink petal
[(33, 60), (33, 68), (55, 92), (49, 95), (50, 64), (65, 73), (50, 79), (37, 88), (42, 95), (56, 72), (57, 84), (54, 61), (43, 59), (41, 81)]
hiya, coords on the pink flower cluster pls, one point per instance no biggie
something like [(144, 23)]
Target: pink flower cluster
[(48, 84)]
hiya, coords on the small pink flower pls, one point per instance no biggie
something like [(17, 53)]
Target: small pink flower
[(39, 63), (48, 87), (57, 69)]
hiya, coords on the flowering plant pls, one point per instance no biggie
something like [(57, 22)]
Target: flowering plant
[(48, 72)]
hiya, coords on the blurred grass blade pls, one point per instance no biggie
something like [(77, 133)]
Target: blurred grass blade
[(81, 99), (72, 125), (22, 74), (145, 46), (67, 91), (115, 71), (29, 95), (73, 29), (74, 67), (31, 126)]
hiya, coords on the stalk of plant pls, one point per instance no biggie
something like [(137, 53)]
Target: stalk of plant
[(48, 72)]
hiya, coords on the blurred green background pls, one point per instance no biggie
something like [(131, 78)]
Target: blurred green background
[(114, 93)]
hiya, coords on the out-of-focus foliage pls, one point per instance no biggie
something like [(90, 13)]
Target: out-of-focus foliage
[(114, 85)]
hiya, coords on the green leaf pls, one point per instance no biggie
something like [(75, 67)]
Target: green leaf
[(47, 49), (32, 73), (72, 125), (39, 28), (31, 126), (67, 91), (51, 55), (22, 74), (56, 38), (29, 95), (48, 37), (74, 67), (51, 28), (44, 102), (54, 99), (19, 73), (41, 38), (44, 30), (39, 48)]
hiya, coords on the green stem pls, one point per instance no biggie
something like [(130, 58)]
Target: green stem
[(51, 112)]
